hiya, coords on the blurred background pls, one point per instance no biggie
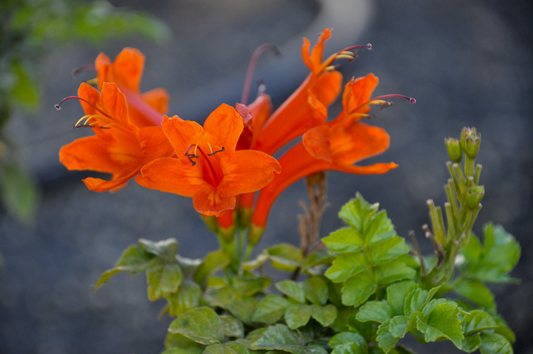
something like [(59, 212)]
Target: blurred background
[(468, 63)]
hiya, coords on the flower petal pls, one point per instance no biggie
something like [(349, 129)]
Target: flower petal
[(171, 175), (182, 133), (225, 126), (247, 171), (357, 94), (90, 94), (114, 103), (157, 99), (316, 141), (375, 169), (128, 68), (154, 144), (208, 202), (116, 183)]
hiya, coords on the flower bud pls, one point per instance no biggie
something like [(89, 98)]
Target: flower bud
[(474, 196), (454, 149), (470, 141)]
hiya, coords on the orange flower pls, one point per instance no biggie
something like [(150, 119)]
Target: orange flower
[(207, 167), (304, 109), (118, 146), (145, 109), (334, 145)]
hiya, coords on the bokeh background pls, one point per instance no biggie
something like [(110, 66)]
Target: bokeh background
[(468, 63)]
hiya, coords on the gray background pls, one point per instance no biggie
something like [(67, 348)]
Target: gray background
[(468, 63)]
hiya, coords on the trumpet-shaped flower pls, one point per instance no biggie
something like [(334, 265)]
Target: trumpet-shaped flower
[(118, 146), (145, 109), (207, 166), (334, 145)]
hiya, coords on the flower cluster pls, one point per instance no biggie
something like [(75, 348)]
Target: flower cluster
[(224, 163)]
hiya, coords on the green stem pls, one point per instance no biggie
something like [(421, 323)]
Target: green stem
[(478, 174), (469, 167), (456, 183), (461, 178)]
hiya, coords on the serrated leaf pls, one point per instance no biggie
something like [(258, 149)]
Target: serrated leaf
[(473, 250), (248, 286), (279, 337), (346, 265), (220, 296), (133, 260), (443, 321), (471, 343), (285, 257), (349, 337), (270, 309), (377, 311), (201, 325), (187, 297), (398, 326), (414, 301), (393, 271), (358, 212), (166, 249), (177, 340), (396, 294), (380, 229), (232, 326), (212, 263), (386, 340), (244, 309), (343, 240), (358, 289), (495, 344), (315, 260), (163, 278), (430, 306), (475, 291), (316, 290), (186, 350), (227, 348), (314, 349), (292, 290), (297, 316), (476, 321), (335, 293), (255, 263), (325, 315), (188, 265), (387, 250), (348, 348)]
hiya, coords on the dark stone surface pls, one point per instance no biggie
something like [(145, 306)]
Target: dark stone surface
[(466, 63)]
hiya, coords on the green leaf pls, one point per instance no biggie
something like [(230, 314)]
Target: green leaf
[(349, 348), (377, 311), (475, 291), (473, 250), (25, 91), (185, 350), (285, 257), (387, 250), (325, 315), (248, 286), (344, 240), (18, 191), (314, 349), (244, 309), (343, 338), (415, 300), (270, 309), (380, 229), (279, 337), (165, 249), (495, 344), (346, 265), (316, 259), (476, 321), (255, 263), (396, 294), (386, 340), (444, 322), (358, 212), (232, 326), (471, 343), (297, 316), (316, 290), (212, 263), (163, 278), (392, 272), (133, 260), (178, 340), (430, 306), (201, 325), (398, 326), (292, 290), (358, 289), (227, 348), (188, 265), (187, 297)]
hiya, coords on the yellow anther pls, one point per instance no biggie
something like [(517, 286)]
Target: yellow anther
[(343, 56), (210, 148), (92, 82), (330, 68)]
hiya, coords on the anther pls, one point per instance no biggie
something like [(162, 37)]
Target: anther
[(348, 49), (410, 99), (191, 156), (216, 152)]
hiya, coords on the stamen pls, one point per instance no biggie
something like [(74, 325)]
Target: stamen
[(77, 71), (251, 67), (331, 67), (216, 152), (410, 99), (367, 46), (192, 156)]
